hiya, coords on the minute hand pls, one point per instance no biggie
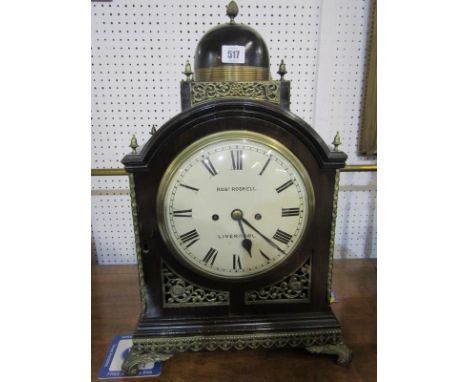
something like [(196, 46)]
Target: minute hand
[(262, 235)]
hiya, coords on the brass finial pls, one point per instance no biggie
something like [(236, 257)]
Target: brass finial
[(336, 141), (282, 70), (153, 129), (188, 71), (232, 10), (133, 144)]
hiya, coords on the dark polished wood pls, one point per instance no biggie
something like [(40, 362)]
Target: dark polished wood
[(149, 166), (241, 111), (115, 308)]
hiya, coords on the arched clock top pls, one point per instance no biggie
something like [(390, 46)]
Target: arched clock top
[(246, 113)]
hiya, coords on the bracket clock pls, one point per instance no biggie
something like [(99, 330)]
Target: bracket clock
[(234, 207)]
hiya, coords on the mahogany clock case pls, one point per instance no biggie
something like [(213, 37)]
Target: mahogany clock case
[(150, 163)]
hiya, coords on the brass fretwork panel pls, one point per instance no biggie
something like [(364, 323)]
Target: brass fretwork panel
[(261, 90)]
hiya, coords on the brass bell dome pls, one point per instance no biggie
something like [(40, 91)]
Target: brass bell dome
[(232, 52)]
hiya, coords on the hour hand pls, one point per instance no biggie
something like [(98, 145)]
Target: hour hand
[(246, 243)]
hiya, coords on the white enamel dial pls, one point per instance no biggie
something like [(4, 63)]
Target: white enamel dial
[(235, 204)]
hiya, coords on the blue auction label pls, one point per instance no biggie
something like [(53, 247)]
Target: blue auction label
[(116, 355)]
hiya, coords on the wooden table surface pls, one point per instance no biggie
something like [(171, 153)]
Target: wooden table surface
[(115, 307)]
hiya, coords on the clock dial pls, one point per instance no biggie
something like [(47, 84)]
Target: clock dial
[(234, 205)]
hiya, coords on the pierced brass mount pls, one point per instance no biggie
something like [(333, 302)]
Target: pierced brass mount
[(259, 90), (325, 341)]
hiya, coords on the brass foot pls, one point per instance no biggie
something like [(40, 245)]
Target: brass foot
[(135, 358), (343, 352)]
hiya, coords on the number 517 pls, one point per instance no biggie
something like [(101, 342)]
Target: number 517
[(233, 54)]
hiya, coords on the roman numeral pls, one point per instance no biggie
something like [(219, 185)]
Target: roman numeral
[(236, 262), (189, 187), (289, 212), (209, 166), (282, 237), (264, 255), (211, 255), (284, 186), (191, 236), (182, 213), (236, 157), (265, 166)]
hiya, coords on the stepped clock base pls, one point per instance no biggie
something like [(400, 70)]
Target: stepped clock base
[(152, 349)]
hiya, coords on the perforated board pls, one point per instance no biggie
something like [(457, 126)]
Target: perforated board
[(139, 49)]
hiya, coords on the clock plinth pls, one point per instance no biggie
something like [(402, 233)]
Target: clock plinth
[(316, 333)]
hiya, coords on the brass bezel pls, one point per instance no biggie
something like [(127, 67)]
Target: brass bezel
[(213, 139)]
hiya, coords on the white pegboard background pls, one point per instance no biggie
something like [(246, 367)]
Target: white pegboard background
[(139, 49)]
